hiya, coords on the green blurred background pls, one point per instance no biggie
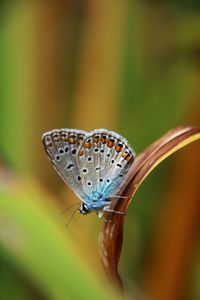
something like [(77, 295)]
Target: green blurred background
[(129, 66)]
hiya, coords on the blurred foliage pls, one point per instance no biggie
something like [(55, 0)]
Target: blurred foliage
[(131, 67)]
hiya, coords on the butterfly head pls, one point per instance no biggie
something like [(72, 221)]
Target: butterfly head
[(94, 203), (84, 209)]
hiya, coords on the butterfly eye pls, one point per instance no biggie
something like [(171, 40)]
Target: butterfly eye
[(84, 209)]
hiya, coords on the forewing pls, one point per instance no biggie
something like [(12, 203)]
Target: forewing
[(104, 159), (62, 146)]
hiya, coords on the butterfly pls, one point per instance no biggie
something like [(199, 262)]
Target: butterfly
[(93, 164)]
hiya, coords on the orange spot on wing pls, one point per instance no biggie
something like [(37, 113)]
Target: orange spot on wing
[(72, 141), (118, 148), (96, 140), (104, 140), (87, 145), (81, 152), (80, 139), (64, 137), (110, 144), (126, 156)]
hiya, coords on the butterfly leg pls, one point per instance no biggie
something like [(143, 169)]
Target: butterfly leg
[(109, 220), (115, 211)]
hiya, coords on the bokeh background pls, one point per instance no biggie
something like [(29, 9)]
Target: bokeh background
[(130, 66)]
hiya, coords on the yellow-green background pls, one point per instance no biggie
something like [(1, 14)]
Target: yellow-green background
[(130, 66)]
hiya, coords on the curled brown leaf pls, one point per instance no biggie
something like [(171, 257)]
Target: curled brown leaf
[(111, 236)]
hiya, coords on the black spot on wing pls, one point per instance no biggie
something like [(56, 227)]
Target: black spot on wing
[(70, 166)]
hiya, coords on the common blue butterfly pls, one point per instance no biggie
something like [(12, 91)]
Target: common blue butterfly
[(93, 164)]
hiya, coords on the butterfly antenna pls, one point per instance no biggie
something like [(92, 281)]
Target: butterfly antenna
[(71, 217), (68, 207)]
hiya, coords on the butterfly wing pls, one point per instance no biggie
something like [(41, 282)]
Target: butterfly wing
[(104, 159), (61, 146)]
